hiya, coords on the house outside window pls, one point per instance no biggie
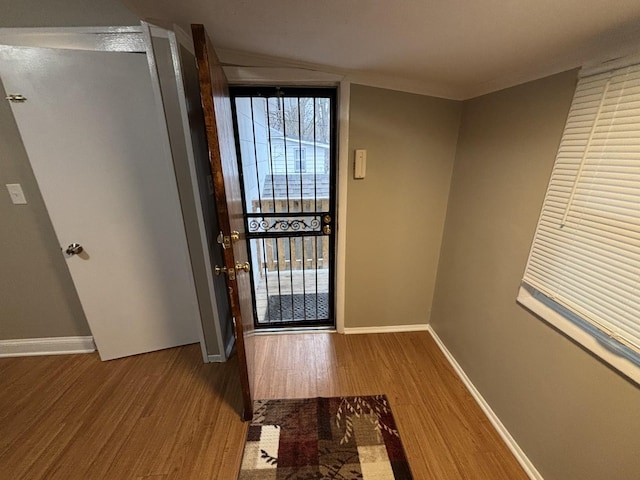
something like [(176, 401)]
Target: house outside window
[(300, 160)]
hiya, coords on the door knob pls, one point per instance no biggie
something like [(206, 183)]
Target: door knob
[(243, 266), (74, 249), (218, 270)]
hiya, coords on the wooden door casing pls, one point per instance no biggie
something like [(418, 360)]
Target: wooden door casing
[(216, 104)]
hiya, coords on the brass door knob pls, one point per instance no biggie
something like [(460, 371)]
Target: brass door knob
[(243, 266), (219, 270)]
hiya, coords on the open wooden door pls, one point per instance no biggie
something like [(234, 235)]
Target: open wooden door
[(214, 92)]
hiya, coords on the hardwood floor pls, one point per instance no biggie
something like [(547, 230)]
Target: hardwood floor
[(166, 415)]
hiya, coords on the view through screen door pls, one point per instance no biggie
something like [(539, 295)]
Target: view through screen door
[(286, 140)]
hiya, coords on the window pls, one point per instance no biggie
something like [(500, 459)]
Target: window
[(583, 271), (300, 159)]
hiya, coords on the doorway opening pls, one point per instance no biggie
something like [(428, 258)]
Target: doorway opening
[(285, 137)]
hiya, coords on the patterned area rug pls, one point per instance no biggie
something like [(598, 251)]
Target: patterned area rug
[(296, 307), (339, 438)]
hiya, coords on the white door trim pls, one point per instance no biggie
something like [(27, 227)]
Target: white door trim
[(106, 39), (344, 101), (148, 32), (177, 39)]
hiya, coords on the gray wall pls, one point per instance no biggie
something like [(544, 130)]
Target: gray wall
[(573, 416), (395, 215), (37, 297), (66, 13)]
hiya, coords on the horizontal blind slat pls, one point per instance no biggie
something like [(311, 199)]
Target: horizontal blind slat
[(618, 238), (627, 330), (586, 250), (588, 305), (624, 262)]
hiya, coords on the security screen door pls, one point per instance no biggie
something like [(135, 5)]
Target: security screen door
[(286, 140)]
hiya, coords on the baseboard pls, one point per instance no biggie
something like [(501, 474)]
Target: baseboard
[(421, 327), (219, 358), (26, 347), (522, 458)]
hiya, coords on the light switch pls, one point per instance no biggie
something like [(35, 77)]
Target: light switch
[(360, 169), (16, 193)]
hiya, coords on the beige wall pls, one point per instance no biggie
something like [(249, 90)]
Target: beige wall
[(395, 215), (37, 297), (573, 416)]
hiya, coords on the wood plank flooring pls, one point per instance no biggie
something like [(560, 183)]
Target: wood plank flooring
[(167, 416)]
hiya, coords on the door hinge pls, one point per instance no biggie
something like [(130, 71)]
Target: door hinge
[(16, 98)]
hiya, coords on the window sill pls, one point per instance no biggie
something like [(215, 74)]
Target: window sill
[(529, 298)]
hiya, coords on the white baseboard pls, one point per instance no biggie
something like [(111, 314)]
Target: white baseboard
[(227, 352), (26, 347), (522, 458), (421, 327)]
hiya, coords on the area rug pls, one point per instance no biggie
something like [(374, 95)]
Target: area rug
[(338, 438), (297, 307)]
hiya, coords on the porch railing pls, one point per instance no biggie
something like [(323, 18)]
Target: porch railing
[(292, 252)]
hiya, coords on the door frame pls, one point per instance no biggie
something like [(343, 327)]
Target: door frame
[(179, 38), (268, 76), (128, 39), (315, 91)]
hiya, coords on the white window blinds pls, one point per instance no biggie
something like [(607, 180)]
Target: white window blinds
[(585, 255)]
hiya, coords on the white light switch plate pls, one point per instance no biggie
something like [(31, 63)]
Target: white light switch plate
[(16, 193)]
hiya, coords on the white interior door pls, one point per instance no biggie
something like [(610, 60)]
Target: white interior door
[(96, 145)]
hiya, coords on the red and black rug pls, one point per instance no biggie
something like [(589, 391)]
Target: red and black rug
[(339, 438)]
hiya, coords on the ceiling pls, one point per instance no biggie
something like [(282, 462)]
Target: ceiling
[(448, 48)]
